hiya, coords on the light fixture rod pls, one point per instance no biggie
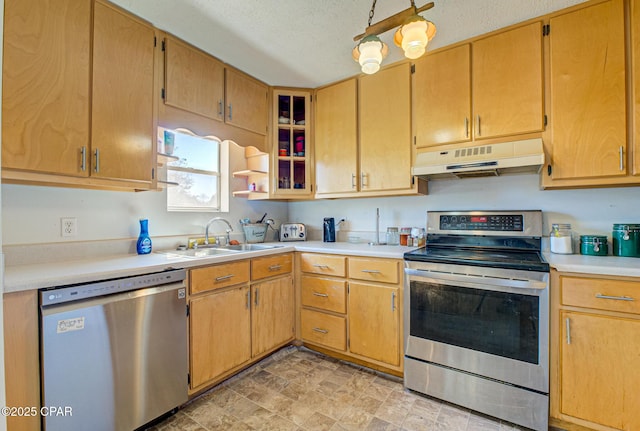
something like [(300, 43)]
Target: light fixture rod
[(392, 21)]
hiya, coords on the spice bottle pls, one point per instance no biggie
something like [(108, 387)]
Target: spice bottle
[(561, 238)]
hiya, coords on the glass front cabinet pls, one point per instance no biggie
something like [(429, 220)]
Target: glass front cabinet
[(292, 144)]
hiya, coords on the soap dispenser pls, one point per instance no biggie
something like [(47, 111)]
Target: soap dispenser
[(144, 241)]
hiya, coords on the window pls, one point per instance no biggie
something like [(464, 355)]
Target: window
[(198, 167)]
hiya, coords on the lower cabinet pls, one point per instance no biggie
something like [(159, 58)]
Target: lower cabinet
[(351, 308), (595, 382), (22, 357), (238, 312)]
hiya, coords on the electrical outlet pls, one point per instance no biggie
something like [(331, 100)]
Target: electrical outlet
[(69, 226)]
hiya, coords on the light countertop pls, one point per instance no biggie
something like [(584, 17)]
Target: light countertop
[(44, 275)]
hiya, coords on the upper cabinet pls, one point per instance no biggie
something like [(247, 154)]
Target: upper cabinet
[(336, 138), (194, 80), (587, 91), (247, 102), (45, 85), (385, 129), (60, 124), (122, 103), (291, 151), (635, 68), (506, 97), (363, 136), (227, 103)]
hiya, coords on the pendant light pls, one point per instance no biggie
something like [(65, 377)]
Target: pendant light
[(413, 36)]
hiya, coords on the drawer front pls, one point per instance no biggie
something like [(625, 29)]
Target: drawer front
[(324, 329), (269, 266), (382, 270), (324, 264), (601, 294), (218, 276), (324, 293)]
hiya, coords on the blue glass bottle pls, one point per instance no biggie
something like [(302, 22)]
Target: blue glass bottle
[(144, 242)]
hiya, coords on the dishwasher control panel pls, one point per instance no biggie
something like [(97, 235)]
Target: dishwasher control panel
[(76, 292)]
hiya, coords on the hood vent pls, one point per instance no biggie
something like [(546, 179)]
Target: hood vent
[(526, 156)]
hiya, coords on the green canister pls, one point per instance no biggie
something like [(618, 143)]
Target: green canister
[(626, 239), (594, 245)]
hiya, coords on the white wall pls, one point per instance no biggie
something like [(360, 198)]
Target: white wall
[(590, 211)]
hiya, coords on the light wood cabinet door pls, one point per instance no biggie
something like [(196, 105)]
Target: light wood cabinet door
[(600, 363), (271, 266), (385, 129), (45, 85), (324, 264), (22, 357), (220, 333), (122, 112), (247, 104), (323, 329), (218, 276), (507, 76), (194, 80), (587, 90), (635, 68), (324, 293), (374, 322), (371, 269), (273, 314), (442, 97), (336, 138)]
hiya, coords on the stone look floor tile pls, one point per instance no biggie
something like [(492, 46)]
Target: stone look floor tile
[(299, 390)]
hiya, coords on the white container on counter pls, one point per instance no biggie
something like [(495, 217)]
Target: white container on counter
[(561, 238)]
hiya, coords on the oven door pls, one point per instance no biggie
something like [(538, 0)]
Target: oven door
[(485, 321)]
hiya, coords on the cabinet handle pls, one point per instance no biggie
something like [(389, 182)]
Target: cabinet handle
[(317, 265), (322, 331), (353, 181), (466, 127), (275, 267), (362, 183), (371, 271), (230, 111), (96, 168), (568, 324), (223, 277), (83, 159), (621, 151), (220, 108), (479, 132), (615, 298), (393, 302), (256, 302), (322, 295), (248, 299)]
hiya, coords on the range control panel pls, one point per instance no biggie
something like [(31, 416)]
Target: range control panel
[(501, 223), (525, 223)]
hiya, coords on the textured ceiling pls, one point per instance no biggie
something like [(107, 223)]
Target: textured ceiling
[(308, 43)]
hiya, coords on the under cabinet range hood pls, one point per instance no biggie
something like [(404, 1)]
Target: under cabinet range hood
[(525, 156)]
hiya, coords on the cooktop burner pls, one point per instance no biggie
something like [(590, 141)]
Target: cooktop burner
[(508, 259)]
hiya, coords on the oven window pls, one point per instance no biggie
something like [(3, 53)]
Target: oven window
[(503, 324)]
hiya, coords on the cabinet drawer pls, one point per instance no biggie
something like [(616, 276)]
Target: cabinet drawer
[(382, 270), (602, 294), (269, 266), (218, 276), (324, 264), (324, 293), (324, 329)]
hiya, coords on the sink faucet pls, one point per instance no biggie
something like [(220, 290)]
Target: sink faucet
[(206, 229)]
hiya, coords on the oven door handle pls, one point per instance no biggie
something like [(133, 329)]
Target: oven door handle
[(485, 282)]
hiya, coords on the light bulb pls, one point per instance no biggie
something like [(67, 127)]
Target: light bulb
[(414, 38)]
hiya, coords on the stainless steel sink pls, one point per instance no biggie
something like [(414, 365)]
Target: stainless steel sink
[(250, 247), (197, 252), (217, 250)]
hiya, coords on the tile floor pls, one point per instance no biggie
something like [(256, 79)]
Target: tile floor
[(297, 389)]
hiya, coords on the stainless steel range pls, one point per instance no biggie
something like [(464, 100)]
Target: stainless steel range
[(477, 314)]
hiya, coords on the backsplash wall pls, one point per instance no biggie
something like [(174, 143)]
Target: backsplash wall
[(590, 211)]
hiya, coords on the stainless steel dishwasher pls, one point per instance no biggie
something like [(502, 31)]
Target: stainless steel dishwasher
[(114, 352)]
